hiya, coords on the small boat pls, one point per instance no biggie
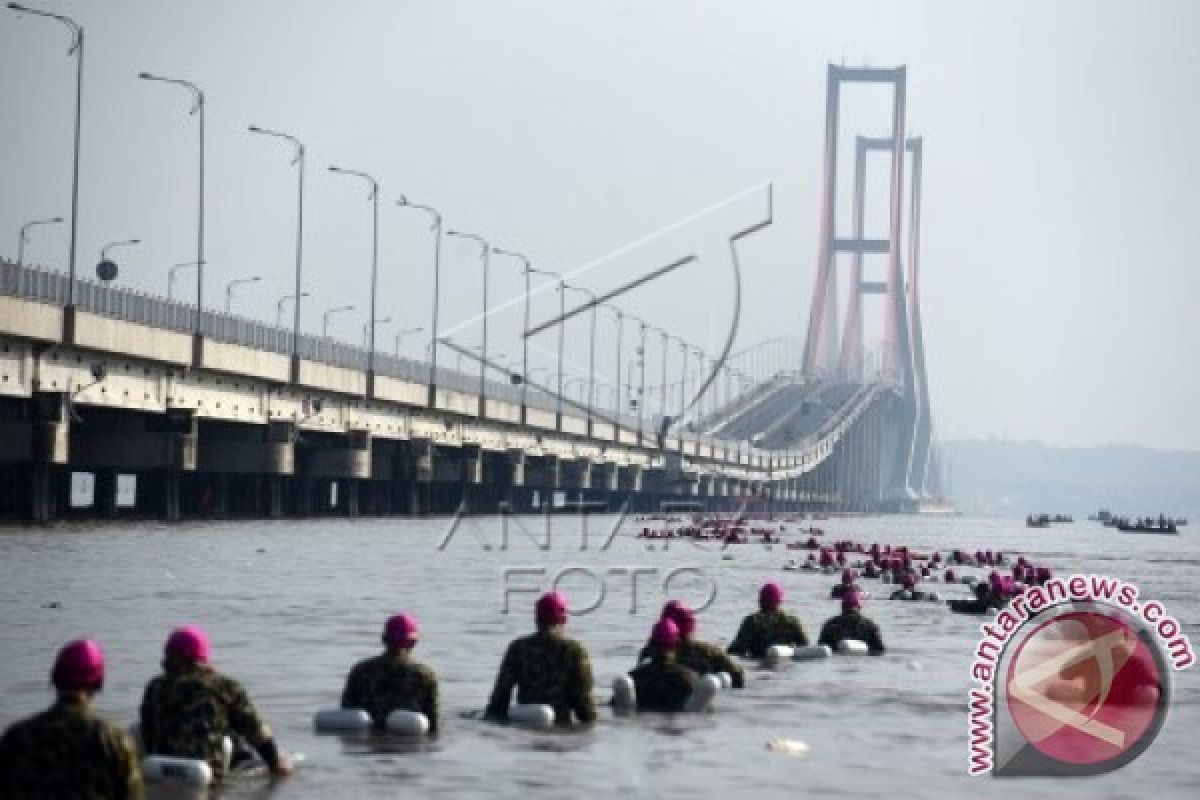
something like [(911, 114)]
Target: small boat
[(1126, 527)]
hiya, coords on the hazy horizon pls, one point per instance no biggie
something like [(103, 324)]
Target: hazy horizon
[(1061, 170)]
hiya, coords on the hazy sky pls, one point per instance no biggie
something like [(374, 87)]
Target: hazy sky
[(1061, 218)]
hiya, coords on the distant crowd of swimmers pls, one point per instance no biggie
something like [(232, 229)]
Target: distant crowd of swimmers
[(191, 709)]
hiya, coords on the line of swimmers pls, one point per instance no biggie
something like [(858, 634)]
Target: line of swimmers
[(191, 711)]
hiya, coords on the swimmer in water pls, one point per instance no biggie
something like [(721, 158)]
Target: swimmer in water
[(67, 750), (662, 683), (908, 590), (769, 626), (851, 624), (547, 667), (702, 657), (189, 710), (848, 578), (393, 680)]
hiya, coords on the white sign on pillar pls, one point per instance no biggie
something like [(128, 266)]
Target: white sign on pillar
[(333, 489), (126, 491), (83, 489)]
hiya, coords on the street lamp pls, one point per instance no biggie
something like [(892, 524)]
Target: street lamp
[(401, 334), (620, 326), (562, 322), (237, 282), (485, 250), (525, 270), (662, 390), (198, 110), (106, 270), (298, 162), (591, 398), (329, 313), (23, 236), (76, 49), (279, 307), (374, 198), (171, 276), (367, 326), (437, 275)]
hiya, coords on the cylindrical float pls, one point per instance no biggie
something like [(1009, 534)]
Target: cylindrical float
[(341, 720), (777, 654), (407, 723), (703, 693), (185, 771), (811, 652), (852, 647), (536, 716), (624, 693)]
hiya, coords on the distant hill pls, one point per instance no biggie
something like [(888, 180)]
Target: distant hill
[(1017, 478)]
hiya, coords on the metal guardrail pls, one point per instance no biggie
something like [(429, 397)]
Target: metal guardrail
[(48, 286)]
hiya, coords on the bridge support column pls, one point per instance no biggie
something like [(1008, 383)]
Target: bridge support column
[(183, 441), (424, 465), (51, 446)]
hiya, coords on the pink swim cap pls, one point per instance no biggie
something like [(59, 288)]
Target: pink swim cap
[(847, 576), (851, 600), (909, 582), (401, 630), (950, 576), (665, 635), (683, 617), (189, 643), (770, 596), (551, 609), (79, 666)]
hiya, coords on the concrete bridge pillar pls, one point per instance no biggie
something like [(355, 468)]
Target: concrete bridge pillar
[(51, 446)]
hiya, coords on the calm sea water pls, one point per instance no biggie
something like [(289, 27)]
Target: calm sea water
[(291, 605)]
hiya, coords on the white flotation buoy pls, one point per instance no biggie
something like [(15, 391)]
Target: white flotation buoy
[(789, 747), (185, 771), (341, 720), (624, 693), (778, 653), (726, 680), (811, 652), (852, 647), (407, 723), (703, 693), (532, 715)]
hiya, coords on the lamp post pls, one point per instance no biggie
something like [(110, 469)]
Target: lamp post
[(401, 334), (198, 110), (329, 313), (76, 49), (237, 282), (368, 325), (562, 311), (298, 162), (437, 273), (374, 198), (591, 397), (617, 396), (485, 250), (526, 269), (23, 236), (662, 389), (171, 276), (279, 307), (643, 325)]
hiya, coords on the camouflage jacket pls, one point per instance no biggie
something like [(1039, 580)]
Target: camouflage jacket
[(546, 667), (765, 628), (852, 625), (391, 681), (704, 659), (188, 712), (68, 753), (662, 684)]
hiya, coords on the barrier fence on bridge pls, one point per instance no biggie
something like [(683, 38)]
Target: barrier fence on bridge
[(51, 287)]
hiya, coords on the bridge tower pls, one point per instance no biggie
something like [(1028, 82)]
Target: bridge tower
[(826, 355)]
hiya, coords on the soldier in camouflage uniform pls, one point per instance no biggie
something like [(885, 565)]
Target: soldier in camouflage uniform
[(851, 624), (662, 683), (701, 657), (392, 680), (67, 751), (189, 710), (770, 626), (547, 667)]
